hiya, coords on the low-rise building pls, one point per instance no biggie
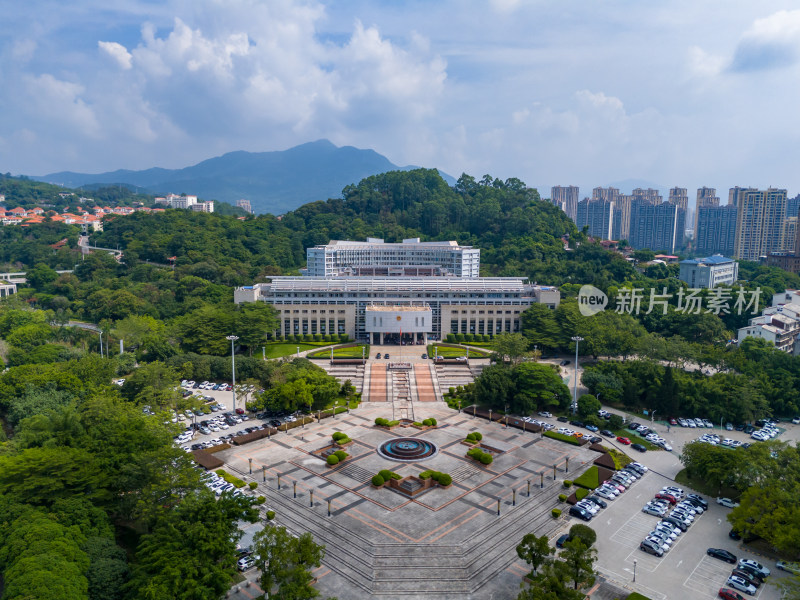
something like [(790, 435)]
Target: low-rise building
[(709, 272)]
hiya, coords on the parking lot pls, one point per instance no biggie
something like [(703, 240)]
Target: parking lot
[(685, 572)]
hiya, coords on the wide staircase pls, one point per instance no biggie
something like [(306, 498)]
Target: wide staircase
[(343, 372), (453, 375), (398, 570), (402, 391)]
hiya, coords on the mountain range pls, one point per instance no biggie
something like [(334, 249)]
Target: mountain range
[(274, 182)]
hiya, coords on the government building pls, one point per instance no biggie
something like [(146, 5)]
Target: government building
[(408, 292)]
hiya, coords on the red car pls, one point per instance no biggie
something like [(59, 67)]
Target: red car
[(673, 422), (668, 497), (623, 440), (239, 411), (728, 594)]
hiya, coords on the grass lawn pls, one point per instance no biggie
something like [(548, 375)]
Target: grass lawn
[(454, 352), (280, 349), (349, 352)]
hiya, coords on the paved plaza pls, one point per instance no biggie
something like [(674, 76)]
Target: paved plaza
[(444, 543)]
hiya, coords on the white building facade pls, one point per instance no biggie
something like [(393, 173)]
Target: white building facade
[(709, 272)]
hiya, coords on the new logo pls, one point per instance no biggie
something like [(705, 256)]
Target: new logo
[(591, 300)]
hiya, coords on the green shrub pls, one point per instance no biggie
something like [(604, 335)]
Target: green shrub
[(562, 497), (486, 459), (478, 435), (425, 475), (378, 481), (567, 483), (584, 533), (581, 493), (253, 485), (445, 479), (333, 459), (261, 500), (307, 337), (392, 423), (564, 438), (433, 421), (238, 483), (589, 479), (417, 424), (270, 513), (381, 421), (337, 435), (556, 512), (451, 390), (386, 474), (459, 337)]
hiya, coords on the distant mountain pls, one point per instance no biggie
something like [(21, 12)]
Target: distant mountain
[(274, 182)]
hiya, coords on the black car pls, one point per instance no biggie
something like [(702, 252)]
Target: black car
[(275, 423), (633, 426), (595, 440), (722, 555), (424, 355), (638, 447), (565, 362), (697, 500), (563, 539), (606, 433), (749, 429), (598, 501), (577, 511), (562, 419), (378, 355), (576, 423)]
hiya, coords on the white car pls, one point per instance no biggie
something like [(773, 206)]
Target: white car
[(740, 584), (545, 414), (727, 502)]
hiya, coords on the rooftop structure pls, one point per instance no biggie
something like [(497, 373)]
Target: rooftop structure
[(709, 272), (375, 257)]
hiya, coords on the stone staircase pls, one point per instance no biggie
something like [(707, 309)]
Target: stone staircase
[(402, 570), (355, 373), (452, 375), (402, 392)]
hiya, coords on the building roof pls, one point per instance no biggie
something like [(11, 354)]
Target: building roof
[(717, 259), (401, 284), (378, 242)]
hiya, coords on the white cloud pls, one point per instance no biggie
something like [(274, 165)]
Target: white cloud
[(117, 52), (60, 102)]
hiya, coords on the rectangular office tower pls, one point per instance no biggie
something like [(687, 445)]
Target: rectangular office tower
[(680, 198), (566, 198), (598, 216), (378, 258), (759, 222), (653, 226), (715, 231)]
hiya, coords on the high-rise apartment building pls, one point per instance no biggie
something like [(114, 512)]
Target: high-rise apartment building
[(566, 198), (735, 192), (680, 198), (715, 231), (788, 234), (705, 197), (245, 205), (759, 222), (622, 217), (598, 215), (648, 195), (792, 206), (609, 193), (653, 226)]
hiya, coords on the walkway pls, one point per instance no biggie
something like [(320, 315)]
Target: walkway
[(425, 391), (377, 383)]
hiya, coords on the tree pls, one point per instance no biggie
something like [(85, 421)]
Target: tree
[(511, 346), (534, 550), (584, 533), (155, 384), (577, 560), (285, 562), (588, 405), (253, 321), (615, 422)]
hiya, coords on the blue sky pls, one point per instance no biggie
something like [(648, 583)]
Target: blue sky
[(676, 92)]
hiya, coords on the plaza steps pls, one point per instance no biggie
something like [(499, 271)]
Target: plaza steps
[(403, 393), (355, 373), (453, 375), (399, 570)]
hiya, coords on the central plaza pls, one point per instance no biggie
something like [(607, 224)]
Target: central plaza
[(442, 543)]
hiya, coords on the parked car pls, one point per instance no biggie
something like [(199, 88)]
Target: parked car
[(748, 576), (545, 414), (638, 447), (727, 502), (756, 566), (668, 497), (727, 594), (789, 567), (602, 503), (740, 584), (581, 513), (651, 548), (722, 554), (623, 440), (606, 433), (564, 538)]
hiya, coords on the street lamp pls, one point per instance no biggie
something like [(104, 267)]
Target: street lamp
[(634, 570), (577, 339), (298, 352), (335, 406), (233, 339)]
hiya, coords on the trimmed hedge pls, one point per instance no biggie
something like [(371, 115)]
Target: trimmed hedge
[(474, 437), (386, 422), (237, 483), (387, 474), (340, 454), (556, 512), (252, 485), (562, 497), (589, 479), (441, 478), (567, 483), (217, 448), (581, 493), (481, 456), (261, 500), (341, 438), (563, 438), (270, 513), (429, 422), (378, 481), (332, 459)]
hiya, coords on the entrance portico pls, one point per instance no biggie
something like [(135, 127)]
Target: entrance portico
[(398, 324)]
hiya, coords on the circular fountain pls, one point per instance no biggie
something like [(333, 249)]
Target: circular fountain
[(408, 449)]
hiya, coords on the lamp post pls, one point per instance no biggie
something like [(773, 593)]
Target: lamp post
[(577, 339), (634, 570), (335, 406), (506, 415), (233, 339), (298, 352)]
